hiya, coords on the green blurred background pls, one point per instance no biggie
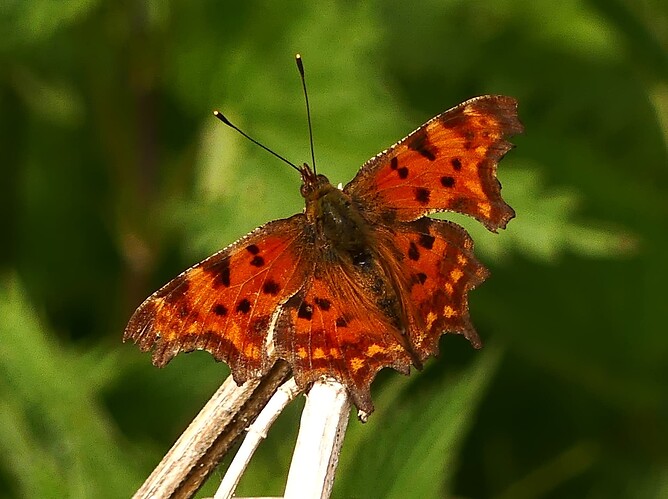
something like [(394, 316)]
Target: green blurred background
[(115, 177)]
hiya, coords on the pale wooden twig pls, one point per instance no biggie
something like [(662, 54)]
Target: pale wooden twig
[(255, 434), (201, 447), (323, 426), (230, 411)]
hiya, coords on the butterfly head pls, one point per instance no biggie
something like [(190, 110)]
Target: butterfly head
[(314, 185)]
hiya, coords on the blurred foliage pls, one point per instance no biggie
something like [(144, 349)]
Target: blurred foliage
[(116, 177)]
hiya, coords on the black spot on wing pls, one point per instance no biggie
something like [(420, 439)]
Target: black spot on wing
[(271, 287), (244, 306), (305, 311), (323, 303), (426, 241), (420, 144), (219, 271), (394, 163), (219, 309), (422, 195), (413, 252), (447, 181), (257, 261)]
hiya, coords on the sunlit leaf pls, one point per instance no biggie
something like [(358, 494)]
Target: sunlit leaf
[(410, 447)]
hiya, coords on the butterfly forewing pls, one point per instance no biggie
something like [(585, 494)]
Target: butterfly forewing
[(449, 163), (226, 303)]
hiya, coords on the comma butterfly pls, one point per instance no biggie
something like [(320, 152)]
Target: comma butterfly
[(359, 281)]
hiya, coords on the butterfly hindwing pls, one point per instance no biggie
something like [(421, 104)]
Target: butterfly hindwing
[(334, 328), (226, 303), (440, 267), (449, 163)]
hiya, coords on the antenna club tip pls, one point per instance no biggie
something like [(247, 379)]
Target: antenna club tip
[(300, 64), (222, 117)]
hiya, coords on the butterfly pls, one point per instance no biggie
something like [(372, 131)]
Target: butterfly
[(361, 280)]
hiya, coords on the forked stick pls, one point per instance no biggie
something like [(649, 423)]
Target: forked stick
[(255, 434), (318, 446), (229, 412), (200, 448)]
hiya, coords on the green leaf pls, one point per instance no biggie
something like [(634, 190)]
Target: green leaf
[(29, 21), (410, 446), (547, 224), (52, 428)]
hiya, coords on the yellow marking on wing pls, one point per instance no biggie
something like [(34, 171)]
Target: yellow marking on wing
[(193, 274), (301, 352), (475, 187), (374, 349), (456, 275), (481, 150), (449, 311), (448, 288), (356, 364), (233, 331), (251, 351), (318, 353), (431, 317), (462, 260), (485, 209)]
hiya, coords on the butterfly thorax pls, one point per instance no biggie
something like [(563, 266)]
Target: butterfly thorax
[(340, 229), (345, 239)]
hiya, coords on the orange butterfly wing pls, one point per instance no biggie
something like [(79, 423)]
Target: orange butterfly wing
[(441, 269), (334, 328), (289, 290), (449, 163), (226, 303)]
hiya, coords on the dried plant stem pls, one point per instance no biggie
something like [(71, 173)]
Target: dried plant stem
[(211, 434), (255, 434), (323, 426), (234, 409)]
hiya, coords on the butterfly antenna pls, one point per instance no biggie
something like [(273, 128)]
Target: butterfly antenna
[(222, 118), (300, 66)]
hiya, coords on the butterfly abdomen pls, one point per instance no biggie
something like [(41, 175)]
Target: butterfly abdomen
[(348, 242)]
